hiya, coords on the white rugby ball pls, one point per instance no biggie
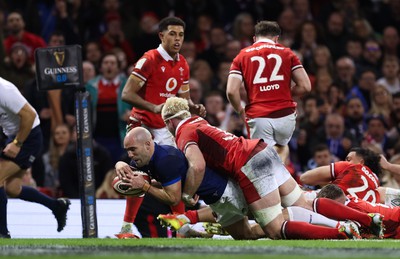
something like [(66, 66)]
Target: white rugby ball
[(121, 188)]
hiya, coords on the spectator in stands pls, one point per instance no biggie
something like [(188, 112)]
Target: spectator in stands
[(93, 53), (59, 142), (288, 23), (372, 56), (381, 103), (336, 98), (18, 69), (215, 107), (390, 70), (17, 33), (391, 42), (215, 52), (202, 71), (366, 83), (355, 119), (201, 33), (88, 71), (309, 125), (376, 135), (222, 76), (362, 29), (108, 109), (345, 73), (334, 134), (188, 50), (196, 91), (232, 49), (243, 29), (321, 61), (114, 36), (395, 116), (69, 171), (336, 35), (147, 37), (302, 10), (308, 37)]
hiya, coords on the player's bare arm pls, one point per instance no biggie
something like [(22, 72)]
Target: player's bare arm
[(195, 174), (27, 117), (233, 93), (317, 176), (170, 195), (302, 82), (198, 109), (393, 168), (129, 95)]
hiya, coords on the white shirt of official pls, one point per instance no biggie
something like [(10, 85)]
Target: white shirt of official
[(11, 102)]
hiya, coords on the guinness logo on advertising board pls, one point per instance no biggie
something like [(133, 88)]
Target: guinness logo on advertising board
[(60, 56)]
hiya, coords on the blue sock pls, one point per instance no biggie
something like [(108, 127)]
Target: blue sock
[(33, 195), (3, 211)]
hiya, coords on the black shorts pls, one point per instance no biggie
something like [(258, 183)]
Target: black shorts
[(29, 150)]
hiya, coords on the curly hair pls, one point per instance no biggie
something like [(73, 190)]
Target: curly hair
[(175, 107), (371, 159)]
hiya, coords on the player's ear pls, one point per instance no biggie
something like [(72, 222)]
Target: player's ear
[(161, 36)]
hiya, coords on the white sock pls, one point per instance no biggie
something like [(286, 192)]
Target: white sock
[(304, 215), (392, 197), (124, 223)]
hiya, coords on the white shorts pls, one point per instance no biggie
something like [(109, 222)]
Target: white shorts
[(231, 207), (273, 131), (162, 136), (265, 171)]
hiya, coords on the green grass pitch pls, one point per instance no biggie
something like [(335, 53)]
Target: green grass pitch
[(164, 248)]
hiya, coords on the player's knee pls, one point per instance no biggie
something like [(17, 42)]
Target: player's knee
[(295, 197)]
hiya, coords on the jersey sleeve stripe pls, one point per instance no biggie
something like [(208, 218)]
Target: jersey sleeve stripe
[(171, 182), (139, 75), (332, 171), (296, 67), (188, 144), (240, 77), (183, 91)]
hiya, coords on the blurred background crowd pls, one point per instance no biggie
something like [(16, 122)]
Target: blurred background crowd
[(349, 48)]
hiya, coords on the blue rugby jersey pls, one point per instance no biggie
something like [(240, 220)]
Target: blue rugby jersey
[(168, 165)]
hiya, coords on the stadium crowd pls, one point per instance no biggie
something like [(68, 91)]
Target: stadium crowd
[(350, 50)]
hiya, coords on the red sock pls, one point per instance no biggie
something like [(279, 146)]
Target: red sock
[(178, 209), (131, 208), (193, 216), (303, 230), (338, 211)]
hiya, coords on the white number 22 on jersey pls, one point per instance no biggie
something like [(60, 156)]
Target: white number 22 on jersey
[(258, 79)]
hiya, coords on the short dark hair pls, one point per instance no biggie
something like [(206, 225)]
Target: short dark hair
[(330, 191), (319, 148), (164, 23), (267, 28), (371, 159)]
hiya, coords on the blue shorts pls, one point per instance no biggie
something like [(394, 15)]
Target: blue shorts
[(29, 150)]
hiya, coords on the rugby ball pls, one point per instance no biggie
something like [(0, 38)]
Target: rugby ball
[(121, 188)]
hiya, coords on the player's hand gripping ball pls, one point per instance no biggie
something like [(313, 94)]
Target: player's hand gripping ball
[(123, 187)]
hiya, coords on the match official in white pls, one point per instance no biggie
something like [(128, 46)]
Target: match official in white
[(21, 125)]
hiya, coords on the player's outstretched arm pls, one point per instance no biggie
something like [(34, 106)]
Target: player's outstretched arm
[(317, 176)]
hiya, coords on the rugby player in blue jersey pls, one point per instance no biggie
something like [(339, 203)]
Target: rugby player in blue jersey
[(169, 166)]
